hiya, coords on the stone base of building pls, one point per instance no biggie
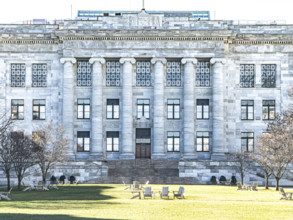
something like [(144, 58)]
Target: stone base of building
[(203, 170), (156, 171)]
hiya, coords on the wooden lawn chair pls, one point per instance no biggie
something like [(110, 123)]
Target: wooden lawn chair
[(254, 186), (147, 192), (146, 183), (126, 186), (75, 182), (228, 182), (4, 195), (136, 185), (239, 186), (165, 192), (285, 195), (179, 194)]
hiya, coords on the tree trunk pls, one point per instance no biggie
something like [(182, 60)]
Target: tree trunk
[(8, 180), (267, 181), (242, 178), (19, 181), (44, 177), (277, 184)]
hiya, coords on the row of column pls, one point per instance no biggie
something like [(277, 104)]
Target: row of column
[(158, 146)]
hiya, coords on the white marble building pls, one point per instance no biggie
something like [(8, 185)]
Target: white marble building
[(145, 85)]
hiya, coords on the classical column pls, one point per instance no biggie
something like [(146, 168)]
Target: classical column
[(97, 109), (218, 150), (127, 151), (158, 151), (188, 107), (68, 103)]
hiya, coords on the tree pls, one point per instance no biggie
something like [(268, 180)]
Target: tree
[(242, 163), (261, 155), (6, 154), (23, 154), (280, 145), (50, 147)]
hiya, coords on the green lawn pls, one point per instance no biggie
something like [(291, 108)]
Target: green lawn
[(112, 202)]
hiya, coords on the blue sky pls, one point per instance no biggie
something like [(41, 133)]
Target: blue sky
[(12, 11)]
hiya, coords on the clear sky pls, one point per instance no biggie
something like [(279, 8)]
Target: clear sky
[(12, 11)]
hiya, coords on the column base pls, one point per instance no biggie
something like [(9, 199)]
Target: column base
[(158, 156), (96, 156), (218, 156), (127, 156)]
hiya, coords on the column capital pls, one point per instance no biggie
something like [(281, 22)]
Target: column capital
[(68, 59), (128, 59), (189, 60), (97, 59), (157, 59), (218, 60)]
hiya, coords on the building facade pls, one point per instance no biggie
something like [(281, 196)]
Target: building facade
[(148, 86)]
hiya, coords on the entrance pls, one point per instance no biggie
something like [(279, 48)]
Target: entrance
[(143, 143)]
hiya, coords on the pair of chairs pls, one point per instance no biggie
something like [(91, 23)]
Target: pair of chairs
[(4, 195), (252, 187), (285, 195), (164, 193)]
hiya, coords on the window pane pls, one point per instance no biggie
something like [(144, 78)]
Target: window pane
[(206, 112), (199, 111), (79, 114), (116, 144), (170, 111), (116, 111), (20, 108), (109, 144), (176, 147), (42, 115), (86, 147), (86, 115), (176, 113), (79, 144), (42, 109), (20, 115)]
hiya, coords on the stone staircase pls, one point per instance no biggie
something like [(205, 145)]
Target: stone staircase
[(142, 170)]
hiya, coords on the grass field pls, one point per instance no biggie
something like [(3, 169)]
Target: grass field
[(112, 202)]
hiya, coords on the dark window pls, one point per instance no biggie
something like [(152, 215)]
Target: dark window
[(17, 109), (173, 73), (173, 141), (202, 109), (268, 109), (83, 108), (18, 72), (247, 141), (203, 74), (113, 141), (143, 73), (83, 141), (39, 109), (112, 108), (84, 73), (39, 78), (143, 108), (113, 73), (202, 141), (247, 74), (173, 107), (247, 109), (268, 75)]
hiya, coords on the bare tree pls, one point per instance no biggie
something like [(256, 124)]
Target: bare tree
[(242, 163), (50, 147), (280, 145), (261, 155), (23, 156), (6, 154)]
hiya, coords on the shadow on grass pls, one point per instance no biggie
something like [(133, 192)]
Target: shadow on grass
[(10, 216), (64, 193)]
